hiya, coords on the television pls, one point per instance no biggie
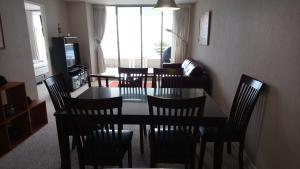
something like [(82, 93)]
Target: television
[(71, 53)]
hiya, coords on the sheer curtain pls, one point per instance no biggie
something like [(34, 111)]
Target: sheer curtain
[(99, 13), (181, 24)]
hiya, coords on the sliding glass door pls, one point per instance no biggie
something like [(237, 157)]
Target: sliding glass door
[(136, 37)]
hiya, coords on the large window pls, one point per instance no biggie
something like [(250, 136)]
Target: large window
[(136, 36)]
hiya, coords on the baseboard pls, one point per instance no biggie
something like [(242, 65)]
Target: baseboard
[(248, 164)]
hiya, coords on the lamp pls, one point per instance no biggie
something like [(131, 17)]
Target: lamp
[(179, 37), (166, 5)]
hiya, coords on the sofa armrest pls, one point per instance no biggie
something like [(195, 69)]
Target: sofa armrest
[(172, 65)]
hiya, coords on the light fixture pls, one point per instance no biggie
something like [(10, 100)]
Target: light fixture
[(166, 5)]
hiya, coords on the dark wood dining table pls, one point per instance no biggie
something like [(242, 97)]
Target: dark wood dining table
[(135, 111)]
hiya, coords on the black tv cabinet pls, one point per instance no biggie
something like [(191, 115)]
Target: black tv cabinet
[(76, 75)]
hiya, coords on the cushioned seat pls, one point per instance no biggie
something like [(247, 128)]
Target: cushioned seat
[(111, 149), (167, 142)]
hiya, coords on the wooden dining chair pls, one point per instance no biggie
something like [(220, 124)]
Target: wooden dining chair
[(242, 107), (99, 79), (172, 139), (134, 77), (57, 88), (98, 141), (167, 78)]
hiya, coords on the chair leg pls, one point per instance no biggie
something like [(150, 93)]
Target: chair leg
[(130, 156), (202, 153), (145, 130), (141, 139), (241, 153), (229, 147), (121, 164), (186, 166), (95, 167), (73, 143), (152, 161)]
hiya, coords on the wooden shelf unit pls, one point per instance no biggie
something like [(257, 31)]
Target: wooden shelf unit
[(26, 119)]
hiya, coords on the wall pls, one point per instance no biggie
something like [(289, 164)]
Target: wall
[(15, 60), (260, 38), (55, 13), (80, 23)]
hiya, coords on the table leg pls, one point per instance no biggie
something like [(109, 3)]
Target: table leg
[(218, 147), (64, 145)]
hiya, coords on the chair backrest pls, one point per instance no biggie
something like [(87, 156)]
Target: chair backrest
[(88, 119), (180, 109), (167, 78), (133, 94), (57, 89), (133, 77), (243, 104), (99, 79)]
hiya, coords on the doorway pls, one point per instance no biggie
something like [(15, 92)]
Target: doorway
[(38, 40)]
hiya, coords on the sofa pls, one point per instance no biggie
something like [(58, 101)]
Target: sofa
[(194, 74)]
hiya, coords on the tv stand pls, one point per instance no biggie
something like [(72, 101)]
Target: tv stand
[(75, 75)]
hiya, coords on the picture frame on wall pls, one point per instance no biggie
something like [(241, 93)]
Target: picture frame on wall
[(204, 28), (2, 44)]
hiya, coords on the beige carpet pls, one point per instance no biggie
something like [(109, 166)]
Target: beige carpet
[(41, 151)]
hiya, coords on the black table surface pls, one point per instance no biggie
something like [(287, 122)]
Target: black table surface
[(135, 111), (135, 99)]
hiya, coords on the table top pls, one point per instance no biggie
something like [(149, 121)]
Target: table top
[(135, 99)]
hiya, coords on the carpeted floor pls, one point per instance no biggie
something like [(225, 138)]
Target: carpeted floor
[(41, 151)]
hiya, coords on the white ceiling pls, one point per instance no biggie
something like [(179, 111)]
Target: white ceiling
[(130, 2), (30, 6)]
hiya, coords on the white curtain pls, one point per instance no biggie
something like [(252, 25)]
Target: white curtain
[(99, 13), (181, 26)]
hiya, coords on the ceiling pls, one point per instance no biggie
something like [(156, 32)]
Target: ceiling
[(30, 6), (130, 2)]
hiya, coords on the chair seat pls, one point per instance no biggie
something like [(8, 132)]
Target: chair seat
[(172, 146), (104, 147), (210, 134)]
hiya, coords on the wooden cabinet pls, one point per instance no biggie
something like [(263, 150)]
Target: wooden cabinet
[(22, 119)]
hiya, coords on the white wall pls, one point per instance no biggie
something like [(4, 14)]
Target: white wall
[(15, 60), (56, 13), (260, 38), (81, 25)]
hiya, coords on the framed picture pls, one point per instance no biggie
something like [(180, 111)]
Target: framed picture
[(204, 29), (2, 44)]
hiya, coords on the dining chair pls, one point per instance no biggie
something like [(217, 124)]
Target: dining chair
[(167, 78), (98, 141), (172, 139), (242, 107), (134, 77), (99, 79), (57, 88)]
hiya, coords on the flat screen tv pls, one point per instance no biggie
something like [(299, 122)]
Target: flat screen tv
[(71, 54)]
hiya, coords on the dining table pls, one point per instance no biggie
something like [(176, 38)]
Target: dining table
[(135, 112)]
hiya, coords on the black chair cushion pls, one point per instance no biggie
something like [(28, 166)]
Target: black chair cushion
[(104, 147), (172, 146), (210, 133)]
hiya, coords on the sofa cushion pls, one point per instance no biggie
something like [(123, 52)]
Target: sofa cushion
[(185, 63)]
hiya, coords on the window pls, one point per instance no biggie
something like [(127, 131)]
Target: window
[(133, 36)]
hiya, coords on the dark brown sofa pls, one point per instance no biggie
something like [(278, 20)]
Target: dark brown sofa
[(195, 75)]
